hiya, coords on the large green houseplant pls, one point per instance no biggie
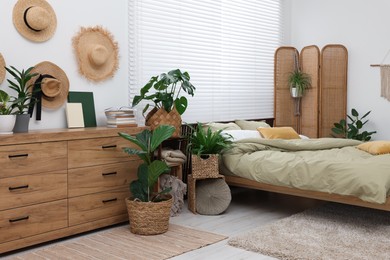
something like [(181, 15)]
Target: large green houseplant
[(166, 92), (145, 203), (352, 129), (23, 98), (7, 118)]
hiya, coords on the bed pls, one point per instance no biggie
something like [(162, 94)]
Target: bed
[(327, 169)]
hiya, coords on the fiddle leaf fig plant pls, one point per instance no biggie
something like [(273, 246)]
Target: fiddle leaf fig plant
[(352, 129), (167, 89), (149, 171)]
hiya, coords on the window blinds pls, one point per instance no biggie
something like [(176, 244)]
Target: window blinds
[(227, 47)]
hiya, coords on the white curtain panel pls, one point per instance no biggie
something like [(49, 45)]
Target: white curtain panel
[(227, 47)]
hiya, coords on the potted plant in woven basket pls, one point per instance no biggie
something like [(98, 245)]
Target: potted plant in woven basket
[(169, 104), (206, 146), (148, 211)]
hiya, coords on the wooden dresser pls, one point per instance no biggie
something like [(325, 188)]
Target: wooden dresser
[(56, 183)]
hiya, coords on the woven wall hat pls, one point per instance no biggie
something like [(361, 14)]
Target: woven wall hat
[(53, 88), (96, 52), (2, 68), (34, 19)]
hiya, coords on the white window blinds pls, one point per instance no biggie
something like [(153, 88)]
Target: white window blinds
[(227, 47)]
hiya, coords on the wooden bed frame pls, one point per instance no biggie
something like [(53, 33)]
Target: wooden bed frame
[(351, 200)]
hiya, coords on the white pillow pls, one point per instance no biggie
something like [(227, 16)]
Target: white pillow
[(241, 134), (303, 137)]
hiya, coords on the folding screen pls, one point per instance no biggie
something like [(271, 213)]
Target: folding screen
[(325, 102)]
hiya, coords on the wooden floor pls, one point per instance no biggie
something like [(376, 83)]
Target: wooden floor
[(249, 209)]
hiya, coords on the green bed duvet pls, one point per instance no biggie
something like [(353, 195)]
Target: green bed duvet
[(326, 164)]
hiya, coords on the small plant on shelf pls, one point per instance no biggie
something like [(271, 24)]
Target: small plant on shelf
[(299, 82), (203, 141), (167, 89), (23, 90), (352, 129)]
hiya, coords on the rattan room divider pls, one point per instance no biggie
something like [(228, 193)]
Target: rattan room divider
[(325, 102)]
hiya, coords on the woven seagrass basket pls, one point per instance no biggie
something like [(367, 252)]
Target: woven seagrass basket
[(160, 116), (149, 218), (203, 168)]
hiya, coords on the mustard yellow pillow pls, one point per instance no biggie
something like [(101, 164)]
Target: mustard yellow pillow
[(278, 133), (375, 147)]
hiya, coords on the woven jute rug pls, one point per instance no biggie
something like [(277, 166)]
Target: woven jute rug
[(331, 231), (120, 243)]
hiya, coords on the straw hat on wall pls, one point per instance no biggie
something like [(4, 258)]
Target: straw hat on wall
[(2, 69), (34, 19), (96, 52), (54, 84)]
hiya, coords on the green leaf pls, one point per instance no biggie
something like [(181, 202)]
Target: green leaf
[(354, 112), (359, 124), (337, 131), (136, 100), (181, 105), (155, 169), (366, 114), (160, 134), (135, 139)]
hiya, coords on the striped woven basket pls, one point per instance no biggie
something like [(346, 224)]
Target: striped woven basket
[(160, 116), (149, 218), (203, 168)]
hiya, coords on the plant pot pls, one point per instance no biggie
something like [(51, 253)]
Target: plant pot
[(205, 166), (21, 123), (7, 123), (160, 116), (149, 218), (295, 93)]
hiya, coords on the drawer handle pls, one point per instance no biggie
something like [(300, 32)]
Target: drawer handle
[(109, 200), (109, 173), (24, 155), (108, 146), (18, 188), (13, 220)]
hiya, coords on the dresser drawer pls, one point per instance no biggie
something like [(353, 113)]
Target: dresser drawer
[(25, 159), (31, 220), (32, 189), (94, 179), (97, 206), (99, 151)]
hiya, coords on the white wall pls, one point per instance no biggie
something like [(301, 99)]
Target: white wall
[(363, 27), (71, 15)]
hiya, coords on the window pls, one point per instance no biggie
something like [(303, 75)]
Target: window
[(227, 47)]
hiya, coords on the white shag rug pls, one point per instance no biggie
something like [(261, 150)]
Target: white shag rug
[(331, 231)]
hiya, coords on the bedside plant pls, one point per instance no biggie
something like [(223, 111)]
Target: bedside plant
[(352, 129), (145, 204), (205, 146)]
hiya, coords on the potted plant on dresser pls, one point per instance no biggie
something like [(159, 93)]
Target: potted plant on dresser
[(7, 119), (148, 211), (169, 104), (23, 98)]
